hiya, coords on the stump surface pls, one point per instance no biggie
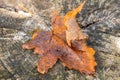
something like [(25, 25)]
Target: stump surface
[(100, 20)]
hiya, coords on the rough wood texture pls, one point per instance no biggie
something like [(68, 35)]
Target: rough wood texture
[(100, 19)]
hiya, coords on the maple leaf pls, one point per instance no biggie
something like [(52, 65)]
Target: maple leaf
[(65, 42)]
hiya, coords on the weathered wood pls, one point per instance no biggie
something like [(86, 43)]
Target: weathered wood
[(24, 22), (100, 19)]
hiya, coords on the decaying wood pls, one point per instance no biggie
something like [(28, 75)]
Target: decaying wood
[(101, 19), (15, 20)]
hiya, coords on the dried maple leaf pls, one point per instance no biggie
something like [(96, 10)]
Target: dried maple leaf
[(65, 42)]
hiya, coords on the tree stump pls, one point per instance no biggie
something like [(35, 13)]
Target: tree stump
[(99, 19)]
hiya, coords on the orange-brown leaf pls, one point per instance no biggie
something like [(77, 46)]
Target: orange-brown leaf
[(66, 42)]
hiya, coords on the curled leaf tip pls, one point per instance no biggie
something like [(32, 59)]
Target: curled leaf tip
[(74, 12)]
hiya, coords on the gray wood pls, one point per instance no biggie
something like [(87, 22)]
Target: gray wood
[(100, 20)]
